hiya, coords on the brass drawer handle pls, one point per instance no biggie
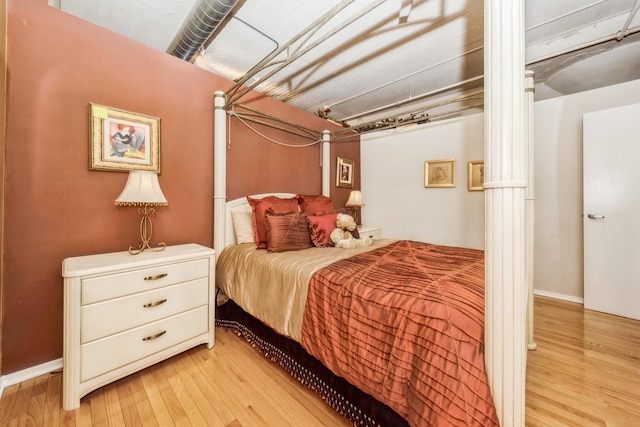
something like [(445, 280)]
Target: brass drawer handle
[(156, 277), (155, 303), (153, 337)]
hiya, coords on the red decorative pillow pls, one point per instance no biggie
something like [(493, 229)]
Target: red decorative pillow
[(320, 228), (315, 204), (287, 232), (259, 207)]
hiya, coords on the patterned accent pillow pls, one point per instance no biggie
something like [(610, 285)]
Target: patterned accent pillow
[(320, 228), (259, 207), (315, 204), (287, 232)]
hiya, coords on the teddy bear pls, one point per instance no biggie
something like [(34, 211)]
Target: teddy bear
[(342, 237)]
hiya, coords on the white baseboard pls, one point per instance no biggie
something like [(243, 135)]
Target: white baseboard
[(554, 295), (27, 374)]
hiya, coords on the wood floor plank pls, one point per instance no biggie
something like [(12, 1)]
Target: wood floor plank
[(127, 403), (160, 377), (160, 410), (182, 392), (203, 382), (140, 398), (96, 400), (35, 413), (196, 392), (52, 404), (115, 417), (7, 404), (21, 405)]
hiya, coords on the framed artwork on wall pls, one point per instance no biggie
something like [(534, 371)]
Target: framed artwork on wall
[(122, 140), (344, 172), (475, 175), (440, 173)]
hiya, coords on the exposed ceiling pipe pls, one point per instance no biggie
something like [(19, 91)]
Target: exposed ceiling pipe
[(625, 29), (414, 98), (206, 16), (582, 46)]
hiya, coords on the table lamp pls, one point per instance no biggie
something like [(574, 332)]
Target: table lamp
[(143, 190), (355, 201)]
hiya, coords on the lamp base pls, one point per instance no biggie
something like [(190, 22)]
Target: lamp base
[(146, 228), (354, 213), (145, 245)]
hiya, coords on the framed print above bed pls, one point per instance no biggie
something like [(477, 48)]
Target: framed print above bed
[(344, 172), (440, 173), (122, 140), (475, 175)]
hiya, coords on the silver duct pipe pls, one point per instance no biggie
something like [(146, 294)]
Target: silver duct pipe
[(206, 16)]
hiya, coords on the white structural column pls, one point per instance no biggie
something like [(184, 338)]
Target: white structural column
[(219, 170), (505, 185), (326, 166), (529, 205)]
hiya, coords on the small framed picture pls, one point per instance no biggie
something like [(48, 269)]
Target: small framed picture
[(344, 173), (440, 173), (122, 140), (476, 175)]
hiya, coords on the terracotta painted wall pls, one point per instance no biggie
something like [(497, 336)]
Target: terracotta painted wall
[(55, 207), (257, 165)]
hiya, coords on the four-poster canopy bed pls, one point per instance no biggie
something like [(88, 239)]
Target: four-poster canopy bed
[(286, 346), (508, 215)]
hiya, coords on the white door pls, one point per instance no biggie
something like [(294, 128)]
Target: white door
[(611, 179)]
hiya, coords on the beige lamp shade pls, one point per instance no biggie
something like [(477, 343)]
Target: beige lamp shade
[(355, 199), (142, 188)]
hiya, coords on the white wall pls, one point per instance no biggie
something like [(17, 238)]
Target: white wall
[(393, 184), (558, 171)]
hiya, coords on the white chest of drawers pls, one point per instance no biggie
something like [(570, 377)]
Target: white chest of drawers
[(370, 231), (125, 312)]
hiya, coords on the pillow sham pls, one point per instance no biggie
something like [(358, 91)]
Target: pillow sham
[(320, 228), (243, 226), (259, 208), (287, 232), (315, 204)]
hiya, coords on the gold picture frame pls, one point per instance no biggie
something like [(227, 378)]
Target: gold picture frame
[(475, 172), (121, 140), (440, 173), (344, 173)]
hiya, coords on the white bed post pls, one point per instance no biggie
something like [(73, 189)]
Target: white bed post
[(219, 171), (326, 165), (529, 205), (505, 185)]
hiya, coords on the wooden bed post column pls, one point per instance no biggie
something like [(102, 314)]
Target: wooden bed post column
[(219, 171), (505, 184), (326, 163)]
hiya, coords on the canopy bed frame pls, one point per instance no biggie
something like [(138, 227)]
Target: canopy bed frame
[(508, 204)]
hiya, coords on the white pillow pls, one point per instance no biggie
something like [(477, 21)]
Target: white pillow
[(243, 226)]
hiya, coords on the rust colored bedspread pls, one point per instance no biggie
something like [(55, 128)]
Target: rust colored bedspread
[(405, 323)]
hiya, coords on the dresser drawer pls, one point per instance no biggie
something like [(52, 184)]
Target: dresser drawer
[(371, 232), (105, 287), (107, 354), (116, 315)]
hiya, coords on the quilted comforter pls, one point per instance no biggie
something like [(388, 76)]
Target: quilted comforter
[(405, 323)]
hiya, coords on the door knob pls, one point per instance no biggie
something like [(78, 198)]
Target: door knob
[(594, 216)]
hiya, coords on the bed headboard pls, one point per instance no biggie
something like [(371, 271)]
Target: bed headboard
[(242, 205)]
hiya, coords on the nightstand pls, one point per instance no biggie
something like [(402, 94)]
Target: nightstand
[(370, 231), (123, 313)]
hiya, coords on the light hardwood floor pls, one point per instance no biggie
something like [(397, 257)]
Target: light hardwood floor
[(585, 372)]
